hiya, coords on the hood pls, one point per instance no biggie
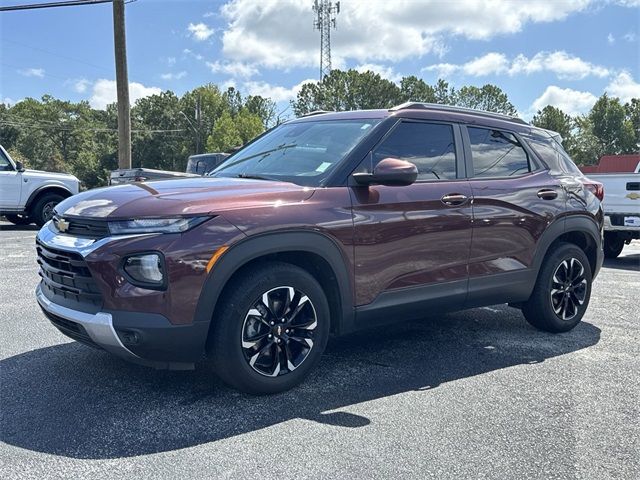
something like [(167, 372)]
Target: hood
[(194, 196), (49, 175)]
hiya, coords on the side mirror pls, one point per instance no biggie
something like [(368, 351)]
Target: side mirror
[(391, 172), (19, 167)]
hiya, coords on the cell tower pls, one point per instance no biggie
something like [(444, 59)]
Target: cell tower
[(326, 12)]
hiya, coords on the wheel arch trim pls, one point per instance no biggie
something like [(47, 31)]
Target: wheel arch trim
[(42, 189), (568, 224), (269, 243)]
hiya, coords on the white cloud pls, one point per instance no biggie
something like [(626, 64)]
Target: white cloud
[(561, 63), (104, 93), (570, 101), (193, 54), (630, 37), (8, 101), (564, 65), (384, 71), (209, 14), (81, 85), (200, 31), (611, 39), (277, 93), (32, 72), (171, 61), (624, 87), (279, 33), (491, 63), (173, 76), (235, 69)]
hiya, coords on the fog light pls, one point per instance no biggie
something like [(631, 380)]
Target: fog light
[(145, 269)]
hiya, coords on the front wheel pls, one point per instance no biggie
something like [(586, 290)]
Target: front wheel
[(272, 329), (562, 291), (42, 210)]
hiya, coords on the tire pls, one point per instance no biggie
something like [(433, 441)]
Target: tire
[(558, 306), (244, 342), (613, 245), (42, 209), (18, 219)]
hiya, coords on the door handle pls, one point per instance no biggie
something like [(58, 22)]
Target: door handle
[(547, 194), (454, 199)]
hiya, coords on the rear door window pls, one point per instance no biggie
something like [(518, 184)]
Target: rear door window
[(496, 153)]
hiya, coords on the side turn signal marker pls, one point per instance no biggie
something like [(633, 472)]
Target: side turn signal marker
[(214, 258)]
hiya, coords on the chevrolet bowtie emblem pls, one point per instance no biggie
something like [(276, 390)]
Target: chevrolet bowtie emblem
[(62, 225), (633, 196)]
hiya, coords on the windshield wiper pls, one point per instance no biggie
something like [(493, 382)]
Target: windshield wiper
[(253, 176), (263, 154)]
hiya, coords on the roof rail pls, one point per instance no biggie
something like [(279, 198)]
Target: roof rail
[(315, 112), (451, 108)]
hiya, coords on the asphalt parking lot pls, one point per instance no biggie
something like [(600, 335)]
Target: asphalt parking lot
[(475, 394)]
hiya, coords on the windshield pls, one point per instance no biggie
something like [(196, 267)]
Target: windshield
[(304, 153)]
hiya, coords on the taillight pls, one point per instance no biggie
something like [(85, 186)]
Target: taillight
[(596, 188)]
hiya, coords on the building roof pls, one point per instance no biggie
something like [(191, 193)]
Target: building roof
[(614, 164)]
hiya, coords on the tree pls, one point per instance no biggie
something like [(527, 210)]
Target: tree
[(225, 135), (610, 125), (350, 90), (416, 90), (488, 97), (265, 108), (553, 118)]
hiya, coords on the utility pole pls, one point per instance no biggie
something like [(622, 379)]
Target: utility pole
[(198, 122), (122, 86), (326, 12)]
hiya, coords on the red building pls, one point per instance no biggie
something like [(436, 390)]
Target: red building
[(614, 164)]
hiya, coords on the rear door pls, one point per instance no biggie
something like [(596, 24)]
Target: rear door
[(412, 242), (514, 200)]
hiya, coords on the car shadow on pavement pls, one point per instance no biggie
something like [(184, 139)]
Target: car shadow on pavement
[(74, 401), (626, 262), (10, 227)]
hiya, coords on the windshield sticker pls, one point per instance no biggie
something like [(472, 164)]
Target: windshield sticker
[(323, 166)]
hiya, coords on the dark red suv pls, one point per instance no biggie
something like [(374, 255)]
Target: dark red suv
[(324, 225)]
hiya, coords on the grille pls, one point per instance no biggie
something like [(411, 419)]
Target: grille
[(80, 227), (71, 329), (65, 275)]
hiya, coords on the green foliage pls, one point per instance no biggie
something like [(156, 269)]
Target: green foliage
[(58, 135), (231, 131), (488, 97)]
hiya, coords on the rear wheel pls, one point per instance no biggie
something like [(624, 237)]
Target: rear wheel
[(42, 210), (562, 291), (18, 219), (272, 329), (613, 244)]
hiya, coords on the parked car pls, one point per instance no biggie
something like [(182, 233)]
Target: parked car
[(28, 196), (205, 162), (130, 175), (197, 166), (621, 204), (324, 225)]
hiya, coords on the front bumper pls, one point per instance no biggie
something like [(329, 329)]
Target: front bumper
[(143, 337)]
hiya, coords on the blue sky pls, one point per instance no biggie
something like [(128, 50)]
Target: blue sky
[(563, 52)]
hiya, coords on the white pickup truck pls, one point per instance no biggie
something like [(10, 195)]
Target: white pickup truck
[(621, 208), (28, 196)]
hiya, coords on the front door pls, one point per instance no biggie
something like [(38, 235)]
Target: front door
[(412, 242), (10, 184)]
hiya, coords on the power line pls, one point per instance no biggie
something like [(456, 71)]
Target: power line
[(49, 52), (326, 12), (68, 3)]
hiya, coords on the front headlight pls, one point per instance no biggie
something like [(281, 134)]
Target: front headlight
[(155, 225)]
